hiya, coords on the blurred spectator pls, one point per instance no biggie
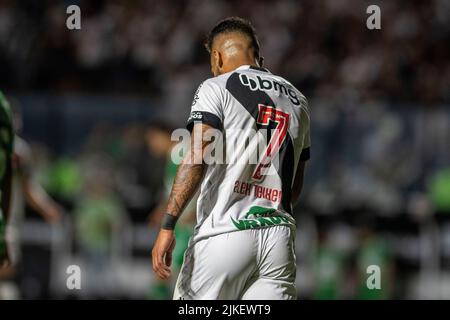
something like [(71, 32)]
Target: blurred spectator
[(143, 47), (98, 215), (440, 191)]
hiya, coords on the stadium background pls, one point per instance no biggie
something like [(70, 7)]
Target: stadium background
[(377, 189)]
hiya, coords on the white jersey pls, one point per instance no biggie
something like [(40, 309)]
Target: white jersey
[(245, 192)]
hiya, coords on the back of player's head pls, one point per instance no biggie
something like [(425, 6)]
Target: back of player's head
[(234, 24)]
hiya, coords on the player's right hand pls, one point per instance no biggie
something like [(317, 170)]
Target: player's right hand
[(162, 253)]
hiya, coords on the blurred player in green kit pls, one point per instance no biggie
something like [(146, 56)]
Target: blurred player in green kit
[(158, 140), (17, 188), (6, 153)]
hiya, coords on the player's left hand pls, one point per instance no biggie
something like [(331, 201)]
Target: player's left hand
[(162, 253)]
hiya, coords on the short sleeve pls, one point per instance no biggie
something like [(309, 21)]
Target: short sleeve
[(207, 106)]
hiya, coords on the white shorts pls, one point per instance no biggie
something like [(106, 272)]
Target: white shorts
[(254, 264)]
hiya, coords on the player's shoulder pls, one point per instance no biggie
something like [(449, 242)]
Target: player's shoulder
[(215, 86), (218, 82), (294, 92), (300, 94)]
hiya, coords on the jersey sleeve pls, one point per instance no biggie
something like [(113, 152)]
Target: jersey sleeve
[(207, 106), (305, 154)]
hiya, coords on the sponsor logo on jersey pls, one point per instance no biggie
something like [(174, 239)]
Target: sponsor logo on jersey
[(195, 115), (262, 84), (258, 217)]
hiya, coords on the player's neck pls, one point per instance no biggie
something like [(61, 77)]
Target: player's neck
[(244, 62)]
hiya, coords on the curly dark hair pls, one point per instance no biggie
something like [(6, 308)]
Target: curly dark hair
[(234, 24)]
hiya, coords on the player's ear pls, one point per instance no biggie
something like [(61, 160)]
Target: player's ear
[(218, 59)]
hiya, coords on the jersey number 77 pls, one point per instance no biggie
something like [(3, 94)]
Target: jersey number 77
[(267, 114)]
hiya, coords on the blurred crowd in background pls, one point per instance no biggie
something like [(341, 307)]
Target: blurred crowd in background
[(154, 47), (98, 105)]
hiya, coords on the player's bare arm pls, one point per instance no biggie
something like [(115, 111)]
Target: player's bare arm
[(38, 199), (35, 195), (189, 176)]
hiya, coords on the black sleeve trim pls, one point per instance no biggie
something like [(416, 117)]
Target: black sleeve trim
[(305, 155), (205, 118)]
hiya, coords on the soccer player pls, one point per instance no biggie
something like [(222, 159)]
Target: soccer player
[(6, 153), (19, 187), (25, 190), (243, 243)]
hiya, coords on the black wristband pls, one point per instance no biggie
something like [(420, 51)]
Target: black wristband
[(168, 222)]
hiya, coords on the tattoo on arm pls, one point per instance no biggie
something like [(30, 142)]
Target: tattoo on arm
[(190, 173)]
